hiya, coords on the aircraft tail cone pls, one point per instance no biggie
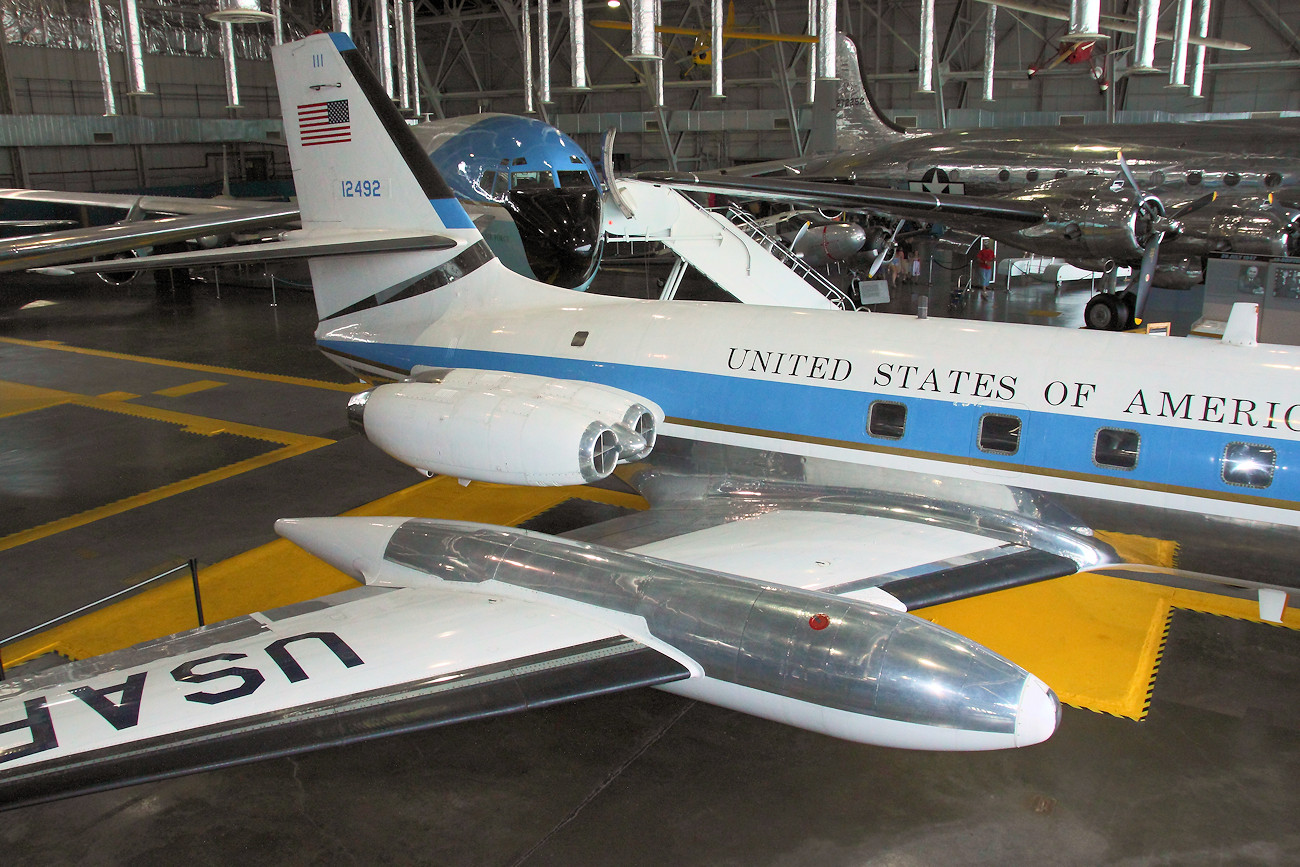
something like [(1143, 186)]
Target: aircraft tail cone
[(354, 546)]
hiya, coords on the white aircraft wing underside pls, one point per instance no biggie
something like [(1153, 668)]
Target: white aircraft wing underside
[(901, 563), (359, 664)]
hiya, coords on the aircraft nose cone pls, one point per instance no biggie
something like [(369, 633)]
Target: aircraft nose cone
[(1038, 715), (561, 233)]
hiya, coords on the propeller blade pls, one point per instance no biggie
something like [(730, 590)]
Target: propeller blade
[(803, 230), (1142, 286), (1194, 205), (1128, 173), (885, 251)]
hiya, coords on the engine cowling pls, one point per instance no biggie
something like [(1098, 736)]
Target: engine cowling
[(512, 428)]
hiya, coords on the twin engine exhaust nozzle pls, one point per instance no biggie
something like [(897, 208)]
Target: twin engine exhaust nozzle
[(511, 428)]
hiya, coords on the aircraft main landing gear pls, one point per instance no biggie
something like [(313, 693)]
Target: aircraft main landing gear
[(1110, 311)]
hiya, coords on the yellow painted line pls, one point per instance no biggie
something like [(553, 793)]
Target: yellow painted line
[(351, 388), (118, 395), (281, 573), (1095, 639), (1046, 314), (189, 388), (16, 398), (293, 444)]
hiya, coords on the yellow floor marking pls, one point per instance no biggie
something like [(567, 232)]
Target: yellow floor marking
[(281, 573), (16, 398), (118, 395), (1095, 639), (190, 388), (185, 365), (293, 444), (1046, 314)]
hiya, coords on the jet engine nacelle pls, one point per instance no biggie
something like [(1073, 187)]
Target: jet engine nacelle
[(838, 666), (511, 428)]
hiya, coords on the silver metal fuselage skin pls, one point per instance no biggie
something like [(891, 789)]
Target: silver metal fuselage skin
[(1070, 171)]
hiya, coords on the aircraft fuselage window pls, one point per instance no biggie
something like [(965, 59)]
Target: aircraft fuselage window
[(530, 180), (887, 420), (1031, 175), (1115, 447), (1249, 464), (1232, 179), (999, 434), (1193, 179), (575, 179)]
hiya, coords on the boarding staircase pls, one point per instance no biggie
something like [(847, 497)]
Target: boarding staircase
[(776, 246), (752, 265)]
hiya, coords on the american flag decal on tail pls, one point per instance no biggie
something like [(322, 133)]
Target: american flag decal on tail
[(324, 122)]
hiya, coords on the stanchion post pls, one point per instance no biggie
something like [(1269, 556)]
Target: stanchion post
[(198, 599)]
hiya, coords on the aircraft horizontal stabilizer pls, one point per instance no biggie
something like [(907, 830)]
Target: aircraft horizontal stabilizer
[(295, 246), (74, 245)]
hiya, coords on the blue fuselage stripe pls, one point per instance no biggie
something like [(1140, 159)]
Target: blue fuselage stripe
[(1057, 443)]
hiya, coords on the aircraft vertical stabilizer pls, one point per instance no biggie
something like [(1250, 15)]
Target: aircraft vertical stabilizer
[(357, 168), (859, 121)]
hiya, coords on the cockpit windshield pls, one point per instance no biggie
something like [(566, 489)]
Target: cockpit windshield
[(531, 180)]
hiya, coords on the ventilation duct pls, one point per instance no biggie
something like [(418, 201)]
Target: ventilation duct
[(412, 58), (1178, 57), (715, 49), (1085, 21), (384, 45), (925, 64), (134, 49), (1198, 59), (826, 13), (277, 23), (990, 51), (812, 52), (399, 53), (101, 57), (578, 42), (544, 50), (1144, 60), (658, 56), (644, 15), (342, 16), (232, 74), (526, 20)]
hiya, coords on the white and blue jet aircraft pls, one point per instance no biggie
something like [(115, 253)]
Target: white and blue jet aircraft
[(814, 478)]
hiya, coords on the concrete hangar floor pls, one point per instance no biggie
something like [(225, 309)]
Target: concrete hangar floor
[(138, 431)]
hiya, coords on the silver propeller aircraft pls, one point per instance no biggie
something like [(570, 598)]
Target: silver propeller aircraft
[(1148, 195), (814, 479)]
